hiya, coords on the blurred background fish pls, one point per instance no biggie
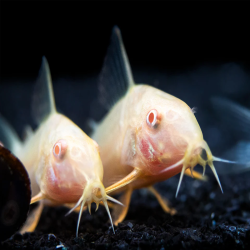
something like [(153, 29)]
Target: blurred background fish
[(237, 119)]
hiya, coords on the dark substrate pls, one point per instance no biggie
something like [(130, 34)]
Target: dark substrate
[(206, 219)]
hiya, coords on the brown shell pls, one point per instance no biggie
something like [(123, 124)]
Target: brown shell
[(15, 193)]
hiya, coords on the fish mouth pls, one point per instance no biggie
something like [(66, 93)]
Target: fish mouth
[(197, 153), (94, 191)]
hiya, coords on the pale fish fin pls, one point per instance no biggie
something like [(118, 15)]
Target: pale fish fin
[(33, 219), (116, 76), (43, 103), (27, 133), (135, 174), (93, 125), (119, 212), (9, 137), (40, 196), (162, 201), (196, 175), (240, 153), (233, 115), (113, 180)]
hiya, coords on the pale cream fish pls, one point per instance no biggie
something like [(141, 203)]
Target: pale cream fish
[(63, 163), (147, 136)]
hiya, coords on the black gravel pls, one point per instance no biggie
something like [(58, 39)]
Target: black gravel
[(206, 219)]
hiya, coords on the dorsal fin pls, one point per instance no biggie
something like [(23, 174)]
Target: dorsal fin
[(116, 76), (43, 103)]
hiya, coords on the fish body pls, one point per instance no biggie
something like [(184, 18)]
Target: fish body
[(147, 136), (139, 145), (63, 163), (62, 183)]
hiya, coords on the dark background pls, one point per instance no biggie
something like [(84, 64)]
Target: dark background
[(74, 36), (191, 50)]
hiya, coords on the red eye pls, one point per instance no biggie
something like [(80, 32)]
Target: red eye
[(57, 149), (152, 117), (60, 148)]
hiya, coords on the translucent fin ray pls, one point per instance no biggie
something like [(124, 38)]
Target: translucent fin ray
[(9, 137), (43, 103), (116, 76), (38, 197), (125, 181)]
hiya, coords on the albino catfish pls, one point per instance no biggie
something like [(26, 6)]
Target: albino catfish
[(148, 135), (63, 163)]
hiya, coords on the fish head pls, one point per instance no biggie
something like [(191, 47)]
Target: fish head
[(168, 137), (70, 164), (74, 172)]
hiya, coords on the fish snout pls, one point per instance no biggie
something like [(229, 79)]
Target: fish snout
[(94, 191)]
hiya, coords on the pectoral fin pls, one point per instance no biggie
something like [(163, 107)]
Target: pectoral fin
[(33, 219), (120, 212), (196, 175), (162, 201), (125, 181), (38, 197)]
